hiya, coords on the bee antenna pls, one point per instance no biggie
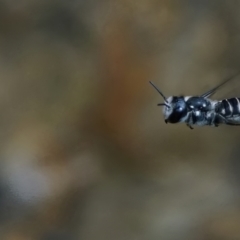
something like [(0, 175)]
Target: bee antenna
[(163, 104), (165, 99)]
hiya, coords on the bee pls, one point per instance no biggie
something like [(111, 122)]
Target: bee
[(201, 110)]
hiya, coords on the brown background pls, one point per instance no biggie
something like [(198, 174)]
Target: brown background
[(85, 153)]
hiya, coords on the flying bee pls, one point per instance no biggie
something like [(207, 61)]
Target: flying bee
[(201, 110)]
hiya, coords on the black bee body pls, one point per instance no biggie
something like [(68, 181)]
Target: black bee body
[(200, 110), (229, 110), (190, 110)]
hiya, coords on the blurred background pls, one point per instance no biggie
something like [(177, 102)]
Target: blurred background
[(85, 153)]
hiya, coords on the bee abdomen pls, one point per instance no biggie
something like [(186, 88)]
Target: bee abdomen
[(229, 107)]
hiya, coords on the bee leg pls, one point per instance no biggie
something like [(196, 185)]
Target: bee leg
[(189, 121), (213, 121), (188, 125), (227, 122), (223, 118)]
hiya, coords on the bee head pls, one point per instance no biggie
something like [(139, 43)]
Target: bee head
[(176, 110)]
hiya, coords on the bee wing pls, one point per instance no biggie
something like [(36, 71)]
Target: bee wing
[(212, 91)]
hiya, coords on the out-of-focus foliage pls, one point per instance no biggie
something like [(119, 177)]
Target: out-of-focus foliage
[(85, 153)]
